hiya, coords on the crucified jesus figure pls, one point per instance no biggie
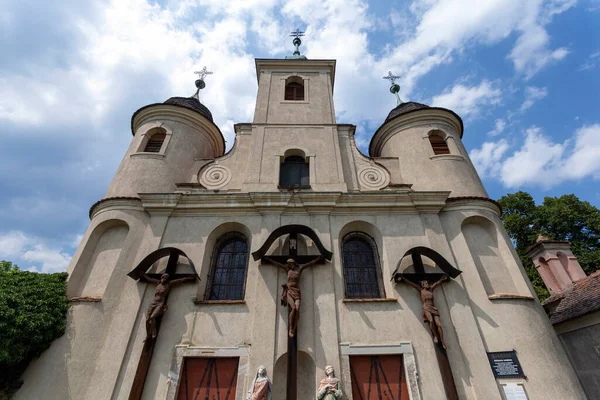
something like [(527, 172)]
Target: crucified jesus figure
[(158, 306), (430, 312), (290, 296)]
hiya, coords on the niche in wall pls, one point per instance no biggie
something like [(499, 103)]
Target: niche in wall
[(482, 238), (98, 260)]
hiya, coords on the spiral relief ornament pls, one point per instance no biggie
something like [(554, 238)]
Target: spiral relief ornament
[(373, 178), (215, 177)]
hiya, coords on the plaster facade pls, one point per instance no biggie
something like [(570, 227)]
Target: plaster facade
[(402, 197)]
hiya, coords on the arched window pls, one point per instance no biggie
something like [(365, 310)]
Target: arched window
[(439, 145), (228, 271), (294, 88), (362, 273), (155, 142), (294, 172)]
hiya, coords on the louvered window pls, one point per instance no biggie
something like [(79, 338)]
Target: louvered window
[(155, 143), (438, 144), (294, 172), (294, 91), (228, 273), (362, 273)]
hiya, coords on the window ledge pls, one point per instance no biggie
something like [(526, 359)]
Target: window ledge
[(142, 154), (447, 157), (84, 299), (386, 300), (509, 296), (293, 187), (200, 302), (294, 102)]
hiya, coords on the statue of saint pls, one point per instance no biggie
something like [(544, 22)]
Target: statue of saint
[(158, 306), (261, 386), (430, 312), (290, 296), (329, 388)]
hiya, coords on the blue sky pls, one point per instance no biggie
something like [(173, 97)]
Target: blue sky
[(524, 75)]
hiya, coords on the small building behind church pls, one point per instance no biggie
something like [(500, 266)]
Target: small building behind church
[(400, 280)]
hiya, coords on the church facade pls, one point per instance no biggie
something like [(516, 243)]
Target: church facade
[(368, 229)]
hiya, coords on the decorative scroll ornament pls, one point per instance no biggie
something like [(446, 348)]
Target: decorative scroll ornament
[(215, 177), (373, 178)]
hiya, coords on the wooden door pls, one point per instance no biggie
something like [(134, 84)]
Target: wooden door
[(208, 379), (378, 377)]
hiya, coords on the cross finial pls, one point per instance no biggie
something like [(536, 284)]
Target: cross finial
[(202, 73), (297, 33), (395, 88), (200, 84), (297, 42), (392, 78)]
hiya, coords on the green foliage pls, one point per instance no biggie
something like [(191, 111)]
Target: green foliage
[(33, 312), (559, 218)]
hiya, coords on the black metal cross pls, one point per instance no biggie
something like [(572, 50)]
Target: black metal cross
[(144, 364)]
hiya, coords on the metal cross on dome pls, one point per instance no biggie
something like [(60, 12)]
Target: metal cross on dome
[(392, 78), (395, 88), (202, 73)]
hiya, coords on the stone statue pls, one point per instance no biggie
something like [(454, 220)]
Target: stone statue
[(158, 306), (290, 296), (261, 386), (430, 312), (329, 388)]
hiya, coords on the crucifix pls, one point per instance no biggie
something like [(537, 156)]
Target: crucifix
[(394, 88), (164, 282), (425, 284), (293, 264)]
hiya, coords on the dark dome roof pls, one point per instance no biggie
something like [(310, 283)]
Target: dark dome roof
[(405, 108), (191, 103)]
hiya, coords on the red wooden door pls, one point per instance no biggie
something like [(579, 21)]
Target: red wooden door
[(378, 378), (208, 379)]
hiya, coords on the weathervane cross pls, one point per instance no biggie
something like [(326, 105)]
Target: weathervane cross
[(202, 73)]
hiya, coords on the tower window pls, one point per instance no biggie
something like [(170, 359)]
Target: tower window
[(228, 273), (155, 143), (294, 172), (294, 88), (362, 273), (439, 145)]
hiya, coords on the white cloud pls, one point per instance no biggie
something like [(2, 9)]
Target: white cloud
[(487, 159), (468, 101), (499, 127), (18, 247), (541, 162), (533, 94), (532, 163), (11, 244)]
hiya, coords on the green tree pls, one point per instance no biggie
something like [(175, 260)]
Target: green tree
[(33, 312), (559, 218)]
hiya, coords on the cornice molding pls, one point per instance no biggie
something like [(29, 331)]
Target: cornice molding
[(260, 203), (469, 203)]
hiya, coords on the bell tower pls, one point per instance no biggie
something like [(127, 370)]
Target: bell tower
[(295, 90)]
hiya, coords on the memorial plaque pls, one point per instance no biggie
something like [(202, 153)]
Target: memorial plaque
[(505, 364)]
